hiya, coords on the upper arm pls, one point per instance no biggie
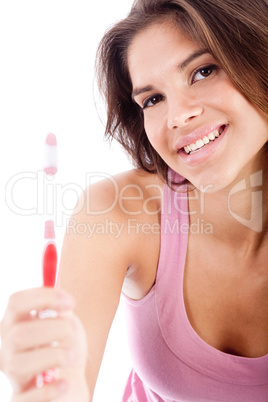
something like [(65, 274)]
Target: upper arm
[(93, 266)]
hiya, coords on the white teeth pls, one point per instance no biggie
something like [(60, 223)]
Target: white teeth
[(211, 136), (201, 142), (187, 149), (193, 147)]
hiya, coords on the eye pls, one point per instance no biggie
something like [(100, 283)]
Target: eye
[(152, 100), (203, 72)]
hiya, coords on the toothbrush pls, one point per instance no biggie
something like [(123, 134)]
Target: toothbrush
[(50, 257), (50, 251)]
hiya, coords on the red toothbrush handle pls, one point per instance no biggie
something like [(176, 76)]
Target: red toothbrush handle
[(50, 259)]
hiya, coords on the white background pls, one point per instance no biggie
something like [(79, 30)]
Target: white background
[(47, 52)]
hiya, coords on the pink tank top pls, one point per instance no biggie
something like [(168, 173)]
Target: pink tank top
[(171, 362)]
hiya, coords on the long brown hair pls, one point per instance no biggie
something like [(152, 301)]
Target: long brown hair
[(234, 31)]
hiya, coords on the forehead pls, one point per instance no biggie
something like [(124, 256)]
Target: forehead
[(157, 47)]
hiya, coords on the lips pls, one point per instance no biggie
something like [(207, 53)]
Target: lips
[(199, 139), (196, 146), (204, 150)]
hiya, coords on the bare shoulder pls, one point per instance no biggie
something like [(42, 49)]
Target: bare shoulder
[(117, 222), (129, 193), (136, 198)]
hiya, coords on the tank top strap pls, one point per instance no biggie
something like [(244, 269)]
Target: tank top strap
[(174, 241)]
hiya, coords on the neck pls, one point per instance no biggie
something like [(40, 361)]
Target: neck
[(236, 216)]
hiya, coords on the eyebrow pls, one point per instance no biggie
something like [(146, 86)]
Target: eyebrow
[(182, 66), (192, 56), (138, 91)]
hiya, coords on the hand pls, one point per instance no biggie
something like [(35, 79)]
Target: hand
[(31, 345)]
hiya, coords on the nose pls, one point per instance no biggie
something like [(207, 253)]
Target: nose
[(182, 111)]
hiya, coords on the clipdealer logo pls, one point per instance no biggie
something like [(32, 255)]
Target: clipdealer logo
[(34, 193), (254, 222), (41, 189)]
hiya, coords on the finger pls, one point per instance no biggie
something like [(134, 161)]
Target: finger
[(21, 303), (37, 333), (26, 366), (46, 394)]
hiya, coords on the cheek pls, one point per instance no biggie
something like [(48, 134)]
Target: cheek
[(247, 119), (221, 96), (154, 125)]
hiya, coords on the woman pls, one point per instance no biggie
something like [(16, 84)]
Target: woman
[(186, 241)]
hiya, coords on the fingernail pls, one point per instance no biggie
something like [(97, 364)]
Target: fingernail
[(48, 314)]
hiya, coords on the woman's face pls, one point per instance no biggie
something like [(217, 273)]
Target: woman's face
[(194, 117)]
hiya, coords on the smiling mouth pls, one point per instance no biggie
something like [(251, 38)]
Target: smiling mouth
[(201, 143)]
